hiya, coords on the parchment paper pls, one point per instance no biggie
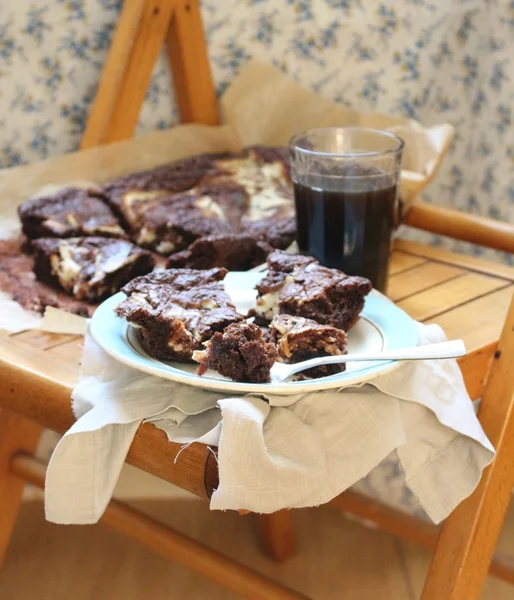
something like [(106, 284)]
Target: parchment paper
[(262, 106)]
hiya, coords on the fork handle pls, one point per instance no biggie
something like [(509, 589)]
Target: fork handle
[(451, 349)]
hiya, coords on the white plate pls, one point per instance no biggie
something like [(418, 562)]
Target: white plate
[(382, 325)]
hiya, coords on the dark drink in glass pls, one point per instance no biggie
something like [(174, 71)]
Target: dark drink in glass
[(346, 201)]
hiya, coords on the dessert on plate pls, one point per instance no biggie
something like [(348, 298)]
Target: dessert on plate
[(300, 286), (298, 339), (177, 310), (239, 352), (89, 268)]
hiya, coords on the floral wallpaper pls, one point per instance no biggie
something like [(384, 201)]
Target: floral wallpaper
[(433, 60)]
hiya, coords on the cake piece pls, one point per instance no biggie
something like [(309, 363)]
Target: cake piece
[(89, 268), (172, 223), (239, 352), (236, 252), (131, 195), (300, 286), (177, 310), (70, 212), (298, 339), (279, 233)]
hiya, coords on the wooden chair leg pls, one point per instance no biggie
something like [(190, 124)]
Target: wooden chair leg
[(276, 534), (16, 435), (469, 535), (189, 61)]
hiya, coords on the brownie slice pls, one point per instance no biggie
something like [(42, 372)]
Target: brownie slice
[(279, 233), (70, 212), (239, 352), (131, 195), (299, 285), (298, 339), (172, 223), (236, 252), (89, 268), (175, 311)]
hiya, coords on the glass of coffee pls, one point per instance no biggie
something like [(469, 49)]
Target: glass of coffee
[(345, 188)]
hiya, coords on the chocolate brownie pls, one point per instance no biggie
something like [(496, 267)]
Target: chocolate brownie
[(299, 285), (172, 223), (236, 252), (89, 268), (175, 311), (17, 279), (168, 208), (70, 212), (279, 233), (298, 339), (131, 195), (239, 352)]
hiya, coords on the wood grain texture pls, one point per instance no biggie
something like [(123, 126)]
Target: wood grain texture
[(459, 260), (401, 261), (407, 527), (477, 322), (443, 297), (457, 225), (190, 67), (276, 534), (470, 534), (17, 434), (475, 368), (39, 388), (134, 51), (420, 278), (173, 545)]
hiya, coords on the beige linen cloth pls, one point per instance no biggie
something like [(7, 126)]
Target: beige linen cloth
[(275, 452)]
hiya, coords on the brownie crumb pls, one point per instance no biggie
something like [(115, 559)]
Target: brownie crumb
[(298, 339), (240, 353)]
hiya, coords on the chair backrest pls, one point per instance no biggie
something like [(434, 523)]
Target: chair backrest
[(470, 534), (144, 26)]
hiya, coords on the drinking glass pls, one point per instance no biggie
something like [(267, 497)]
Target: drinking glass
[(346, 197)]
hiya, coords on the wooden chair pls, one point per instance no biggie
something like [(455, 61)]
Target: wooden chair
[(34, 391)]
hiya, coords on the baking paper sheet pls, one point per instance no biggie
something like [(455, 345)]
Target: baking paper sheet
[(262, 106)]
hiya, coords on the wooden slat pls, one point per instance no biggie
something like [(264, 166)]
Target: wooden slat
[(477, 322), (420, 278), (442, 298), (400, 261), (470, 533), (190, 66), (459, 260), (42, 340), (133, 54), (475, 368), (407, 527)]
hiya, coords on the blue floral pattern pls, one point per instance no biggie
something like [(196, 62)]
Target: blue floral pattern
[(432, 60)]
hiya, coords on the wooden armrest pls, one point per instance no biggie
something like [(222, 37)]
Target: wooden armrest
[(45, 401), (461, 226)]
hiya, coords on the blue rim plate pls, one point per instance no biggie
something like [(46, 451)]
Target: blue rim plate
[(382, 325)]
